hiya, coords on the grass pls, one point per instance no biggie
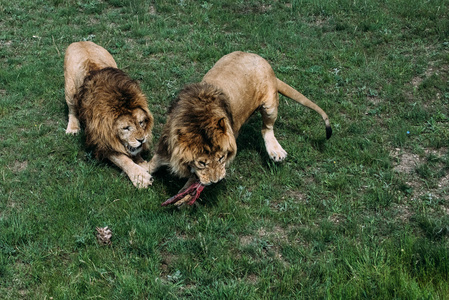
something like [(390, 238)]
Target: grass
[(362, 215)]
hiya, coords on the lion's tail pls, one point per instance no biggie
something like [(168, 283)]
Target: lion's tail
[(290, 92)]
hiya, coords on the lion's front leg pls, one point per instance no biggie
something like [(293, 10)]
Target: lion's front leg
[(139, 176), (73, 126), (141, 162), (155, 163)]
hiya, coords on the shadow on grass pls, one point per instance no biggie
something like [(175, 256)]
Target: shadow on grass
[(250, 138), (318, 144)]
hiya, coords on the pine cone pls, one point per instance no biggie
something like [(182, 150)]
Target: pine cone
[(104, 235)]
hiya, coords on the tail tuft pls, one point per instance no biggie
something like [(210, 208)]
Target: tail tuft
[(328, 132)]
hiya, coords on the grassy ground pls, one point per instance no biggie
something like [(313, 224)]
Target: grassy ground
[(363, 215)]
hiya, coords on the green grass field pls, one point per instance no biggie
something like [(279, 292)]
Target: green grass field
[(364, 215)]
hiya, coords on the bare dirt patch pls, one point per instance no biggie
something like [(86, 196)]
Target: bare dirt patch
[(269, 241), (19, 166), (337, 219), (403, 212), (278, 233), (416, 81), (245, 240), (296, 195), (252, 278), (374, 100), (407, 161), (291, 196), (167, 261)]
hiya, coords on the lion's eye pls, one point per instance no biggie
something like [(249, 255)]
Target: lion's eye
[(221, 158), (127, 128), (202, 163), (142, 123)]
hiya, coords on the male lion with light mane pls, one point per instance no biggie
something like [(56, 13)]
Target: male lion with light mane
[(198, 139), (111, 107)]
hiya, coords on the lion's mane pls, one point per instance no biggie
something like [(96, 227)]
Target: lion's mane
[(106, 95), (199, 122)]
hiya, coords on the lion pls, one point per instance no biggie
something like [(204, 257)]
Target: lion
[(111, 107), (198, 140)]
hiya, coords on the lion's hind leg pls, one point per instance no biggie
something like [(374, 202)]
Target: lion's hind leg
[(269, 113)]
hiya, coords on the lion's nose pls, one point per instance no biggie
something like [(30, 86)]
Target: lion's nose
[(217, 179)]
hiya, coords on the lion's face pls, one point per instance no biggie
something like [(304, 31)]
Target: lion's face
[(133, 131), (205, 151), (210, 168)]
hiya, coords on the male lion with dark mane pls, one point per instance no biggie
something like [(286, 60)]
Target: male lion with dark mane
[(111, 107), (198, 139)]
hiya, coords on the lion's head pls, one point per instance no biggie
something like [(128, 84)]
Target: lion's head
[(198, 136), (115, 113), (133, 131)]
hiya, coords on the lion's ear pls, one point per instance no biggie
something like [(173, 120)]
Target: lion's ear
[(222, 124)]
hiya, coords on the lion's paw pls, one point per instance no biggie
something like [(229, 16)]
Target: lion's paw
[(73, 127), (141, 179), (72, 130), (276, 152)]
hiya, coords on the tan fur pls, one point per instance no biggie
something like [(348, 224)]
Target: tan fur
[(203, 123), (111, 107)]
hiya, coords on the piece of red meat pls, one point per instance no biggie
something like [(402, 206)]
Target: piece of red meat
[(190, 195)]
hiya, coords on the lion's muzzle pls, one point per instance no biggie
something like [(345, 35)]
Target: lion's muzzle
[(209, 176), (136, 147)]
